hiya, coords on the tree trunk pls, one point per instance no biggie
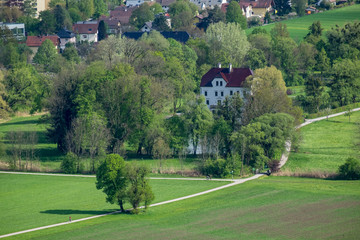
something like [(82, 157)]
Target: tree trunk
[(121, 206)]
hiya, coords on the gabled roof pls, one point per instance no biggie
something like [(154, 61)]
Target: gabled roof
[(36, 41), (180, 36), (234, 79), (63, 33), (86, 28), (165, 3), (122, 14), (111, 22), (255, 4)]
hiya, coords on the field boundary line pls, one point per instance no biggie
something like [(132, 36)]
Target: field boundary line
[(285, 155), (93, 176), (235, 182)]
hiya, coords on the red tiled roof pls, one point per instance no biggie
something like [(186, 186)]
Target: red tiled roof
[(122, 14), (234, 79), (87, 28), (36, 41)]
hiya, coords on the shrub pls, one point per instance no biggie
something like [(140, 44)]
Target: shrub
[(68, 164), (274, 165), (215, 168), (350, 169)]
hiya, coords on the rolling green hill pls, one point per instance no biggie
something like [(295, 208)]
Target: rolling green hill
[(299, 27)]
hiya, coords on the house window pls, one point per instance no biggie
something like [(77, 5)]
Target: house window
[(84, 36), (222, 93), (237, 91), (220, 83), (205, 93), (219, 102), (216, 94), (207, 102), (231, 92), (217, 83), (89, 29)]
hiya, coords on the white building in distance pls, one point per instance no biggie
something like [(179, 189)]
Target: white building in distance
[(219, 82)]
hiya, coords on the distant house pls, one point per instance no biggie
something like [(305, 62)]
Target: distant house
[(219, 82), (247, 9), (132, 3), (202, 4), (17, 29), (165, 4), (252, 8), (34, 42), (180, 36), (65, 37), (87, 31), (147, 27), (113, 24)]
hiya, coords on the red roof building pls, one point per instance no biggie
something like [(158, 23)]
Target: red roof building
[(219, 82), (36, 41)]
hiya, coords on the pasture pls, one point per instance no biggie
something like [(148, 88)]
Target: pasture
[(49, 157), (326, 145), (299, 27), (267, 208), (29, 201)]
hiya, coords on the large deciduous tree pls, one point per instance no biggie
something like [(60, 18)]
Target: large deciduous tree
[(234, 14), (141, 15), (228, 43), (111, 178)]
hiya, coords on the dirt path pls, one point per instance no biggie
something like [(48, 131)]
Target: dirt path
[(234, 182), (285, 155)]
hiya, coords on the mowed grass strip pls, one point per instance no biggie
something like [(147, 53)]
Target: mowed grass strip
[(47, 152), (326, 144), (299, 27), (29, 201), (268, 208)]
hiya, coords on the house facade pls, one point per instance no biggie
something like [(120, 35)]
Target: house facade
[(87, 31), (34, 42), (219, 82), (17, 29), (65, 37), (203, 4)]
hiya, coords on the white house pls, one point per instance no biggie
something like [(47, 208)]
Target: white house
[(202, 4), (219, 82), (17, 29), (87, 31), (66, 36), (132, 3)]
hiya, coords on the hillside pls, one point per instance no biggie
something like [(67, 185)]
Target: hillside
[(298, 27)]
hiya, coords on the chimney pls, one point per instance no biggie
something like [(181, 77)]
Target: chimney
[(230, 68), (219, 65)]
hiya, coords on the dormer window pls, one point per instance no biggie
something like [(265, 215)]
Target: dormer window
[(89, 29)]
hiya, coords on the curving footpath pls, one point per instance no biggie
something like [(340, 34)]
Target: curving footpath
[(285, 155), (283, 160)]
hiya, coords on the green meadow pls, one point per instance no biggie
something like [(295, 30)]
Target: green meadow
[(29, 201), (299, 27), (326, 145), (49, 157), (267, 208)]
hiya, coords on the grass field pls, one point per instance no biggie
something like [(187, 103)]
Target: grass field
[(297, 90), (326, 144), (268, 208), (299, 27), (29, 201), (49, 158)]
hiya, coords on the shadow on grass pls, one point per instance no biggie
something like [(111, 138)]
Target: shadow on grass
[(73, 211), (24, 122)]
